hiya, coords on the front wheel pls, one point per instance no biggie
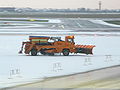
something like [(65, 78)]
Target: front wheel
[(65, 52), (33, 52)]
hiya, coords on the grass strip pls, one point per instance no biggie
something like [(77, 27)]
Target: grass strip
[(24, 20), (114, 22)]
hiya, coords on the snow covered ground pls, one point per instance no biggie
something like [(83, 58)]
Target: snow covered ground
[(16, 69), (104, 23)]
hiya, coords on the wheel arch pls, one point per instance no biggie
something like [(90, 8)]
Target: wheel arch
[(65, 49)]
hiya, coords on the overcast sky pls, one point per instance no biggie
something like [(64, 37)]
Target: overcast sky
[(93, 4)]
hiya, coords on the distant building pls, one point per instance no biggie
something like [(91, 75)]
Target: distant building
[(8, 9), (68, 10)]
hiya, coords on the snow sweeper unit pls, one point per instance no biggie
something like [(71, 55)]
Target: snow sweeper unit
[(51, 45)]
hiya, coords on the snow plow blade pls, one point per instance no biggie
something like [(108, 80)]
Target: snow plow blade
[(87, 49)]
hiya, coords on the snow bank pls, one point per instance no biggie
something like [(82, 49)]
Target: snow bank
[(104, 23), (54, 21)]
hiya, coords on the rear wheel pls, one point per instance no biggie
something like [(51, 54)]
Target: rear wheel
[(65, 52), (34, 52)]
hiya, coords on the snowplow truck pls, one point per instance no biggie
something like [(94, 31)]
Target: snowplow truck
[(51, 45)]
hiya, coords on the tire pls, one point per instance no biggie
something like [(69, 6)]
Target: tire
[(33, 52), (65, 52)]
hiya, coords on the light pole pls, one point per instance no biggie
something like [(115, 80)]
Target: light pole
[(100, 5)]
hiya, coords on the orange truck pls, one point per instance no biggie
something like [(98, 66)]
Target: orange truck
[(51, 45)]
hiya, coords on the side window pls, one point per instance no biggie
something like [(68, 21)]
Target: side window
[(71, 40)]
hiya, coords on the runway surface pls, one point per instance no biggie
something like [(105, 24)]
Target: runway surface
[(56, 25), (95, 80)]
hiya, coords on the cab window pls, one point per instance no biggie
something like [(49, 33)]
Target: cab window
[(71, 40)]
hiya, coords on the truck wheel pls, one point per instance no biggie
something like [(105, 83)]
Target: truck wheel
[(34, 52), (65, 52)]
